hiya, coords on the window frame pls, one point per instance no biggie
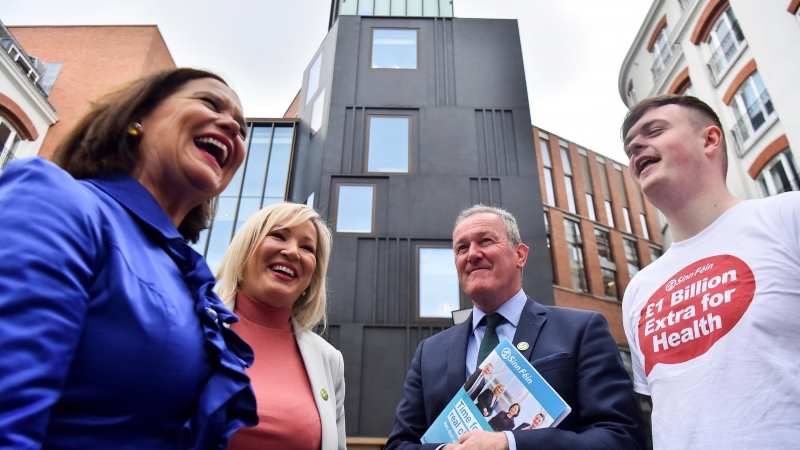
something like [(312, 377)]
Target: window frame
[(714, 43), (310, 95), (765, 179), (372, 48), (368, 132), (580, 248), (662, 49), (373, 226), (417, 298), (547, 169)]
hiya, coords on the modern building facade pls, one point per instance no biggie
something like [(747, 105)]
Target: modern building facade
[(25, 112), (91, 61), (739, 57)]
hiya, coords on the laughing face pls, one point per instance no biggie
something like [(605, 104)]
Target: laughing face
[(665, 151), (282, 265), (192, 144)]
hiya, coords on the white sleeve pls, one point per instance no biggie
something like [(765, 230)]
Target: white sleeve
[(630, 318)]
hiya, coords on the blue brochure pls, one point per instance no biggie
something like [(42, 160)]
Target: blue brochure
[(505, 393)]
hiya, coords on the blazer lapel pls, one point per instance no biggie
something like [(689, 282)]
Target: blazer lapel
[(318, 376), (457, 355), (530, 324)]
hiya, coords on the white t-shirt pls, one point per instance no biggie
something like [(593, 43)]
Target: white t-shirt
[(714, 330)]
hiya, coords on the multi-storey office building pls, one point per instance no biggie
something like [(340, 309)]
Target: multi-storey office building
[(739, 56), (600, 230), (25, 112)]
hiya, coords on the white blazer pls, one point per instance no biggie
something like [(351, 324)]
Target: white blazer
[(325, 368)]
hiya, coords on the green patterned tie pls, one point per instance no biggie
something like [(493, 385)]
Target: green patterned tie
[(490, 339)]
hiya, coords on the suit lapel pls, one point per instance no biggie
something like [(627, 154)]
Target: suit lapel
[(530, 324), (318, 378), (457, 355)]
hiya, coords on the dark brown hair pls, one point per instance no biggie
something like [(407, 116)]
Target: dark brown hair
[(701, 116), (99, 145)]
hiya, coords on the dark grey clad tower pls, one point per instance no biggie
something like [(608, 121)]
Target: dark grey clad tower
[(403, 122)]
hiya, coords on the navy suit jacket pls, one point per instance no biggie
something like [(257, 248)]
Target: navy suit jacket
[(572, 349)]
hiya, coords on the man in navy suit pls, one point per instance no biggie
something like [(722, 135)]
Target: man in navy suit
[(572, 349), (477, 380)]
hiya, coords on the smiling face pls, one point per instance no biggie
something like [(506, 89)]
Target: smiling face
[(537, 420), (487, 369), (192, 144), (514, 410), (498, 389), (667, 153), (282, 266), (488, 266)]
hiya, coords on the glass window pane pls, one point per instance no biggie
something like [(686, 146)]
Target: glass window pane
[(590, 206), (608, 213), (278, 172), (257, 162), (247, 207), (430, 8), (654, 254), (398, 7), (643, 222), (318, 108), (220, 232), (394, 49), (310, 200), (603, 245), (545, 153), (200, 245), (414, 8), (348, 8), (365, 7), (438, 283), (313, 78), (570, 195), (548, 187), (383, 7), (610, 282), (565, 161), (354, 209), (627, 216), (388, 144), (445, 8)]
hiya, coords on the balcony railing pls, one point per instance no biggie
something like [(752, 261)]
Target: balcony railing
[(759, 118), (731, 47), (663, 60), (6, 156)]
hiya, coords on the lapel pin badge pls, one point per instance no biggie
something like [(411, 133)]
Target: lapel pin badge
[(522, 346), (324, 394)]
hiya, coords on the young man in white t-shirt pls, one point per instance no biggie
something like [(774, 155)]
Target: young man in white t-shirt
[(714, 324)]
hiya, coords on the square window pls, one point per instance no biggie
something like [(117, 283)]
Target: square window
[(394, 49), (439, 292), (388, 144), (354, 208), (318, 108)]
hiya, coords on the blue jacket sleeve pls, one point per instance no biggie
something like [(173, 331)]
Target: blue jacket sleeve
[(48, 249), (607, 413)]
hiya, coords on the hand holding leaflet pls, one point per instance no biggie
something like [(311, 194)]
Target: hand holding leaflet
[(512, 396)]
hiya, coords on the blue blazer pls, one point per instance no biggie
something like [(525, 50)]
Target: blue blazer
[(572, 349), (110, 332)]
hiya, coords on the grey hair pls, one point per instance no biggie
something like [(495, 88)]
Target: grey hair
[(510, 223)]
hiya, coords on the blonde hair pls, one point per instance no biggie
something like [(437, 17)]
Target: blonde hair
[(309, 309)]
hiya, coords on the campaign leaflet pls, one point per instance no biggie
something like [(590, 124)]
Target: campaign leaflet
[(505, 393)]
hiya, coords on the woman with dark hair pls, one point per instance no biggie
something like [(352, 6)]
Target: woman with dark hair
[(504, 420), (111, 334)]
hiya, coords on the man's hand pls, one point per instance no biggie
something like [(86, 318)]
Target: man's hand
[(480, 440), (485, 413)]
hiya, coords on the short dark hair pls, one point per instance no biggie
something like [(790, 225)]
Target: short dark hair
[(100, 145), (519, 409), (703, 116)]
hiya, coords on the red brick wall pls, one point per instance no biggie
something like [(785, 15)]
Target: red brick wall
[(96, 60), (612, 311)]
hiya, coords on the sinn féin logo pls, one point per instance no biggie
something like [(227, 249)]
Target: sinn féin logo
[(506, 353)]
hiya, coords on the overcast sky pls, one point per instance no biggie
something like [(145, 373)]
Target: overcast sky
[(573, 49)]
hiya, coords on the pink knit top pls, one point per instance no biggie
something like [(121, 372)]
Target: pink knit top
[(288, 416)]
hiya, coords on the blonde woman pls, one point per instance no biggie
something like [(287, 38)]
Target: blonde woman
[(273, 277)]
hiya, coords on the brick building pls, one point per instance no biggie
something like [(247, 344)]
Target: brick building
[(95, 60), (600, 229)]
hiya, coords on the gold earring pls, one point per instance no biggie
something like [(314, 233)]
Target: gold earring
[(135, 129)]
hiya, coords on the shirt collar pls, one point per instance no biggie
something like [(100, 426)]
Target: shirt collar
[(138, 201), (511, 310)]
